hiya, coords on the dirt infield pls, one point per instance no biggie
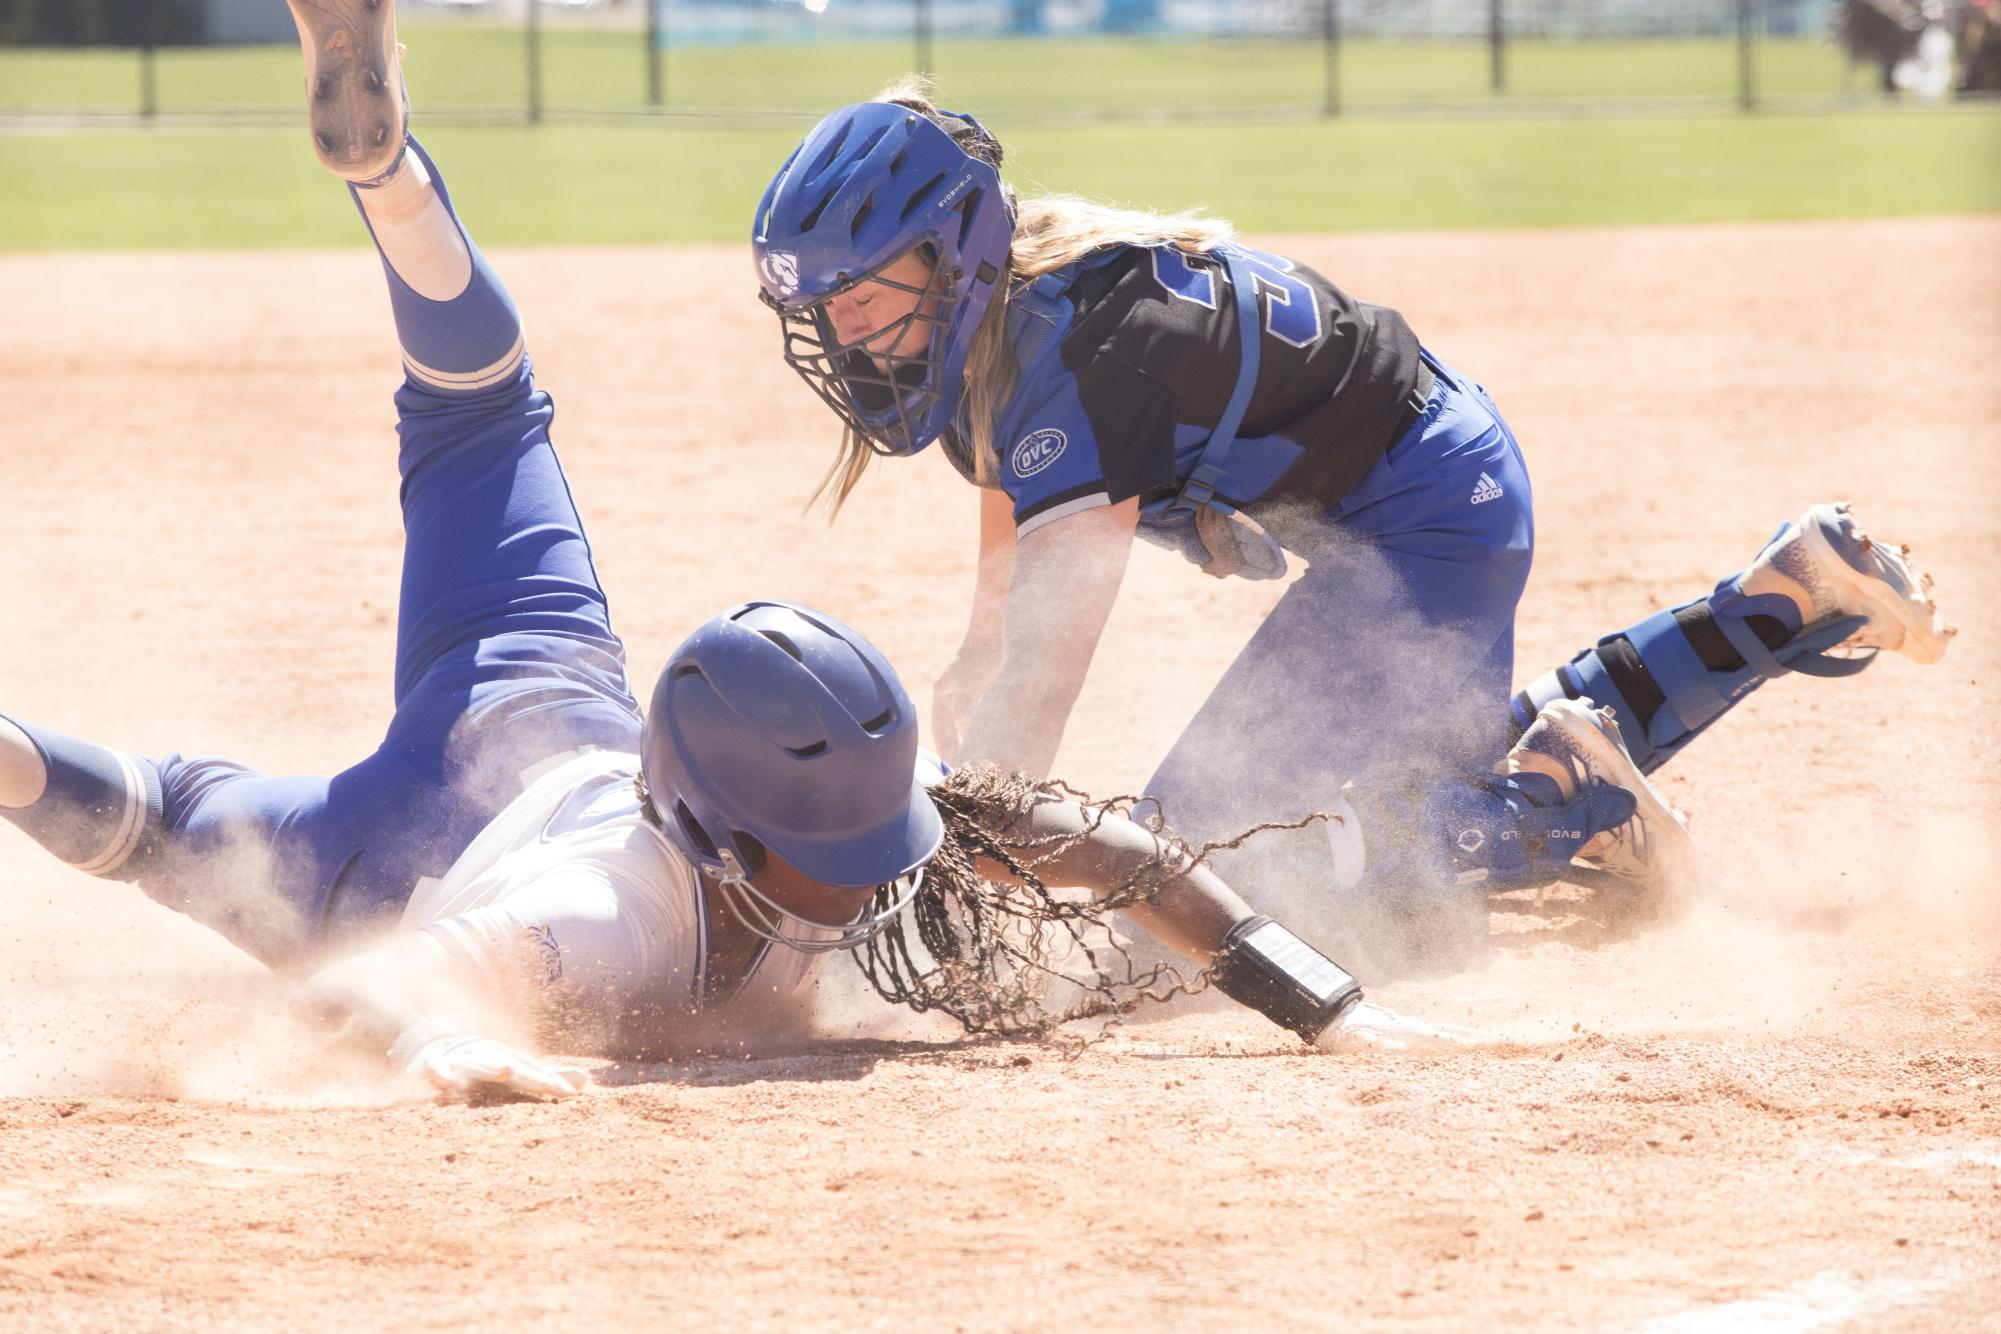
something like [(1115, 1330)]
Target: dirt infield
[(1790, 1101)]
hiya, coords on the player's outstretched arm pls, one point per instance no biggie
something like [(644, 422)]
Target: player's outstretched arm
[(1251, 959), (1065, 577), (972, 670), (408, 998)]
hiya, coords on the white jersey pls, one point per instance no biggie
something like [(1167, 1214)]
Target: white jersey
[(610, 916)]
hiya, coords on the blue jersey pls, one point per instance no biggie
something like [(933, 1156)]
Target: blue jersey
[(1123, 394)]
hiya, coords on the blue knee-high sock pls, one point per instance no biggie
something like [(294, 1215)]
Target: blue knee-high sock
[(1673, 674), (100, 810), (468, 343)]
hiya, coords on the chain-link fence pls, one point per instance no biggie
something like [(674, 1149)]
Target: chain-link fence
[(1047, 59)]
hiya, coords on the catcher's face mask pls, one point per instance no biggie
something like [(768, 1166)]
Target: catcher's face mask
[(874, 351), (879, 199)]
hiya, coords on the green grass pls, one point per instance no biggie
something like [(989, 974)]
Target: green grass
[(646, 180), (640, 182), (461, 65)]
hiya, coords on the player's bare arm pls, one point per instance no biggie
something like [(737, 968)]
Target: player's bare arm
[(407, 997), (973, 668), (1065, 578)]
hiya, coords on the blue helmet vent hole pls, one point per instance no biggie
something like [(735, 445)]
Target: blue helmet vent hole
[(867, 145), (807, 223), (880, 721), (968, 208), (791, 649), (922, 193), (827, 157), (807, 752)]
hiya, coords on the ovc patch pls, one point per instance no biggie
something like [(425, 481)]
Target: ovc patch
[(1037, 450)]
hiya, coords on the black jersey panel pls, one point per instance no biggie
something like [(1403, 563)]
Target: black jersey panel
[(1346, 433), (1153, 326)]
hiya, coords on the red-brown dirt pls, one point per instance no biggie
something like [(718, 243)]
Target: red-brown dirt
[(1793, 1095)]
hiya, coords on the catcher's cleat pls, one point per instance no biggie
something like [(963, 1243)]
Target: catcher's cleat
[(1832, 569), (357, 106), (1577, 746)]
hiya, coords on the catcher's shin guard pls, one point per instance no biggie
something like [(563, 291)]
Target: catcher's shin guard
[(455, 342), (1678, 671), (1820, 583), (97, 807)]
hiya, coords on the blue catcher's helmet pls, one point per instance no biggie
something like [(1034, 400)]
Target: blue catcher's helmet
[(779, 723), (872, 183)]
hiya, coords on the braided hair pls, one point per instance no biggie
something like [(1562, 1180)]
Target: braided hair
[(989, 942)]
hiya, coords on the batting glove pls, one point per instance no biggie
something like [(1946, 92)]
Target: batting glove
[(459, 1064), (1368, 1026)]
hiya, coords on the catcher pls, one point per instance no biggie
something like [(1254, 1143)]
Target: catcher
[(1102, 375)]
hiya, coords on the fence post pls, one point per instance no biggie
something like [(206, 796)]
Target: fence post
[(1496, 41), (149, 85), (923, 25), (534, 62), (1747, 78), (656, 77), (1331, 34)]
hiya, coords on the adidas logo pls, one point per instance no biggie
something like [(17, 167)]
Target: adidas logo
[(1487, 489)]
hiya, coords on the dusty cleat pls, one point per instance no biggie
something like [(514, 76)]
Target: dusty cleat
[(1578, 745), (357, 107), (1832, 569)]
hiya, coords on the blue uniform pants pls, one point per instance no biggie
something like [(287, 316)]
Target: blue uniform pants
[(1391, 658), (505, 658)]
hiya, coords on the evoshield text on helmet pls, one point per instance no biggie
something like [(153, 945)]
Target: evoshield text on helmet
[(872, 183), (775, 727)]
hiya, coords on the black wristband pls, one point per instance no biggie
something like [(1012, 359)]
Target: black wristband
[(1266, 967)]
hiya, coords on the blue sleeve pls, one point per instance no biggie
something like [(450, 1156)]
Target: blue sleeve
[(1084, 438)]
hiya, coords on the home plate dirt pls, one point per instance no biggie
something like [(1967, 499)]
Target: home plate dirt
[(1781, 1111)]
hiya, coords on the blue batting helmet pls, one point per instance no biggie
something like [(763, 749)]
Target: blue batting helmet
[(872, 183), (777, 721)]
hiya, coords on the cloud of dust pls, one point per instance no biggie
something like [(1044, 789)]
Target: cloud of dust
[(1784, 934), (846, 1007), (1857, 925), (104, 993), (1344, 682), (128, 1002)]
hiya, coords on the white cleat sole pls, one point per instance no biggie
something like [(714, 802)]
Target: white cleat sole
[(1903, 620)]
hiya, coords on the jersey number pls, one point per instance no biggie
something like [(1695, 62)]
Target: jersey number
[(1291, 314)]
